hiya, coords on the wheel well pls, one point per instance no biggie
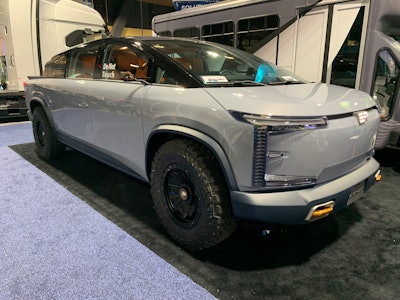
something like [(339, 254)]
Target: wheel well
[(160, 138), (34, 104)]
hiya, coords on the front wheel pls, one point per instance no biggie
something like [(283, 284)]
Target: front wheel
[(47, 146), (190, 195)]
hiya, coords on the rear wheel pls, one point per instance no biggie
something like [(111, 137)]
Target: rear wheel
[(47, 146), (190, 195)]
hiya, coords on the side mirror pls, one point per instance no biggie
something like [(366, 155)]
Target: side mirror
[(74, 38)]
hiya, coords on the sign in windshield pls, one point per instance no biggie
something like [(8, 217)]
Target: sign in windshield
[(182, 5)]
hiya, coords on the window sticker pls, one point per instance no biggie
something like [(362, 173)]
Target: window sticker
[(289, 78), (108, 71), (214, 79)]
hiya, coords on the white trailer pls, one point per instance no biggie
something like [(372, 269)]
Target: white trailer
[(32, 31)]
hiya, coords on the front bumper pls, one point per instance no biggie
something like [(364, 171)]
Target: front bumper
[(293, 207)]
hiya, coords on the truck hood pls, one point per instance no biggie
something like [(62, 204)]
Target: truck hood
[(312, 99)]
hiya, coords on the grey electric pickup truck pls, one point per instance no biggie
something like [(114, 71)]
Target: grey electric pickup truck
[(219, 134)]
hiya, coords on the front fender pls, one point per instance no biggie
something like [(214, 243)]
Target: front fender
[(204, 139)]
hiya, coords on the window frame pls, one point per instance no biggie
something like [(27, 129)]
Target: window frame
[(131, 48), (72, 61), (397, 78)]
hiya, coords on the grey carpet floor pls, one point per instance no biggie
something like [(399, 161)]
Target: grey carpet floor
[(55, 246)]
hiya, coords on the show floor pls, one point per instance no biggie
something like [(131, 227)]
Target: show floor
[(76, 229)]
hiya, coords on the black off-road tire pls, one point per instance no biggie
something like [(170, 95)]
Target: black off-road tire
[(190, 195), (47, 145)]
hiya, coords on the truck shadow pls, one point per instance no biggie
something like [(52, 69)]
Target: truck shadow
[(250, 249), (128, 204)]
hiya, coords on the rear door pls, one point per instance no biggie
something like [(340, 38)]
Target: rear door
[(72, 99)]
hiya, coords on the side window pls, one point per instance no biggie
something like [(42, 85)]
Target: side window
[(123, 63), (83, 63), (254, 30), (219, 33), (345, 63), (170, 76), (164, 77), (56, 66), (387, 72), (192, 32)]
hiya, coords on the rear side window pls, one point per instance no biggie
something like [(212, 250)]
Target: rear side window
[(83, 63), (56, 66), (123, 63)]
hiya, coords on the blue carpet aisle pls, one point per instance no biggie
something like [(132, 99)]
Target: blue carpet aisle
[(54, 246)]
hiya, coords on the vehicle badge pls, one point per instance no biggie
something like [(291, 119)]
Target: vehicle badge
[(362, 116)]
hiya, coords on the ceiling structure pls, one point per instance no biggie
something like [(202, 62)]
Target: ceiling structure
[(124, 14), (119, 14)]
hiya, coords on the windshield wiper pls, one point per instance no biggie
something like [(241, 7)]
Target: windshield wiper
[(236, 83), (287, 82), (247, 83)]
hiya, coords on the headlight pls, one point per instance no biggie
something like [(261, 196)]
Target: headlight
[(282, 123), (286, 124), (266, 126)]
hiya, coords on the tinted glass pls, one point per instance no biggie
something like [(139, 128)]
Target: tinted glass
[(345, 64), (56, 66), (188, 32), (219, 33), (218, 64), (390, 25), (123, 63), (83, 63), (254, 30), (386, 82)]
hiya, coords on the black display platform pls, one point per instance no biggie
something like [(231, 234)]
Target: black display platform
[(352, 255)]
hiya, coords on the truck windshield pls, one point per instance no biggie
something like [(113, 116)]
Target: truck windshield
[(215, 64)]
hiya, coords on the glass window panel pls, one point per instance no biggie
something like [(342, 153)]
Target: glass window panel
[(252, 31), (83, 63), (219, 33), (165, 33), (344, 66), (123, 63), (386, 82), (188, 32), (56, 66)]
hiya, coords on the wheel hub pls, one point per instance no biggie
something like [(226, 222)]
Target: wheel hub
[(180, 196), (183, 194), (40, 134)]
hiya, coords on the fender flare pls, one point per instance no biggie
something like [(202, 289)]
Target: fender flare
[(207, 141), (38, 100)]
